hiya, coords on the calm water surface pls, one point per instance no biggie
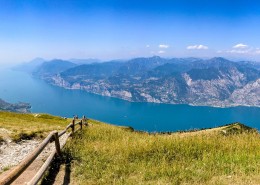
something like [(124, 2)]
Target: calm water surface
[(44, 98)]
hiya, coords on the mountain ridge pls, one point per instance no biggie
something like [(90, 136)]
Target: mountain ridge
[(216, 82), (15, 107)]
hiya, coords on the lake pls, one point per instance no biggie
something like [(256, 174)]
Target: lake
[(18, 86)]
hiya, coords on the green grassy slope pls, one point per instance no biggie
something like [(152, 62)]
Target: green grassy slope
[(106, 154), (26, 126)]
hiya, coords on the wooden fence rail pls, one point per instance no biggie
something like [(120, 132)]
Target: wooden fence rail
[(53, 136)]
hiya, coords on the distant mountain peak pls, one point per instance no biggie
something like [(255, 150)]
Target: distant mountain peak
[(222, 59), (54, 66), (212, 82), (156, 57)]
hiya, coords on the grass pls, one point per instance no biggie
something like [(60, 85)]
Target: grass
[(6, 168), (106, 154), (28, 126)]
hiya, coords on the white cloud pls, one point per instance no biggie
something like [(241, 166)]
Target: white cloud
[(242, 50), (147, 45), (161, 51), (164, 46), (238, 51), (197, 47), (240, 46)]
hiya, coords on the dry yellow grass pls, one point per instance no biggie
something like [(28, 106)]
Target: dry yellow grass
[(30, 125), (106, 154)]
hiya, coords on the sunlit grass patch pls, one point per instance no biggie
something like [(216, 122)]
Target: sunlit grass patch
[(27, 126), (106, 154)]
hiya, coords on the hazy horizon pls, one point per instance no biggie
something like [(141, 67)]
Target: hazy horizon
[(15, 64), (117, 29)]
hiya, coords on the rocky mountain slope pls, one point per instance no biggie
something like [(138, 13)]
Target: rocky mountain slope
[(52, 67), (16, 107), (213, 82)]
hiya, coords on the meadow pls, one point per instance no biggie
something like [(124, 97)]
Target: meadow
[(107, 154), (28, 126)]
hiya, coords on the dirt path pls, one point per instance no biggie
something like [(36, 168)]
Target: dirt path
[(59, 175), (11, 154)]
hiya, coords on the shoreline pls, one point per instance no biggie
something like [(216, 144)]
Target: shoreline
[(190, 104)]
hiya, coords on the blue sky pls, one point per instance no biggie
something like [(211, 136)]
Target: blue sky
[(115, 29)]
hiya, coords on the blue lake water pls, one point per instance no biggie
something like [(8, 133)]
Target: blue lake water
[(44, 98)]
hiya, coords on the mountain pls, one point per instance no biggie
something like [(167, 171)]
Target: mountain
[(16, 107), (52, 67), (95, 70), (250, 64), (212, 82), (29, 66), (84, 61)]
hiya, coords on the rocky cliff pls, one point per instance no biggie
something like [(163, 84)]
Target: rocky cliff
[(214, 82), (16, 107)]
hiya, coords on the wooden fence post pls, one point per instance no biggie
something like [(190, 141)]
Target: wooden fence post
[(73, 126), (57, 143), (81, 122), (85, 121), (19, 169), (32, 156)]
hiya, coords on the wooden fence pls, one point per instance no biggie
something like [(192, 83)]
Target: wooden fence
[(53, 136)]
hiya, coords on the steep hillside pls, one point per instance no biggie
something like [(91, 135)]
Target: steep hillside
[(30, 66), (14, 107), (52, 67), (213, 82)]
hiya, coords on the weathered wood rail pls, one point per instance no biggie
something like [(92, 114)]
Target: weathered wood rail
[(53, 136)]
